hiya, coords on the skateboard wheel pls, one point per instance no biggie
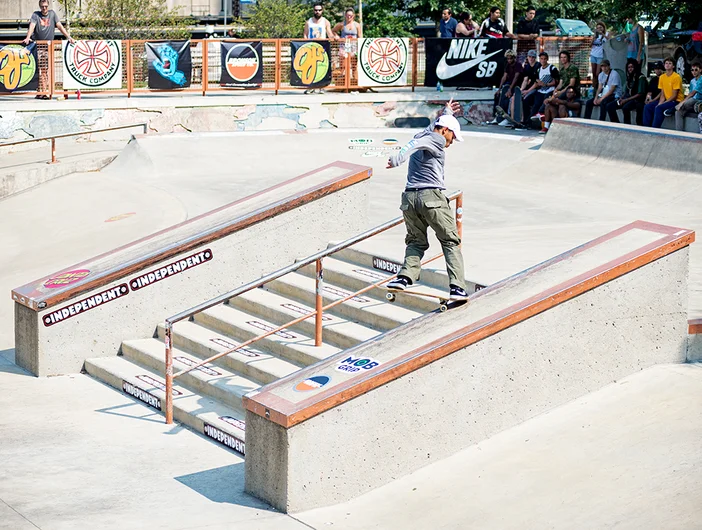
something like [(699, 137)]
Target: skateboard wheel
[(390, 297), (443, 308)]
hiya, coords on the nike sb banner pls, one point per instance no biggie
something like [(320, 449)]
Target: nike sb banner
[(471, 63)]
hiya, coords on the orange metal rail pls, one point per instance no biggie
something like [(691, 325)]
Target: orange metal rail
[(319, 306), (68, 135), (206, 65)]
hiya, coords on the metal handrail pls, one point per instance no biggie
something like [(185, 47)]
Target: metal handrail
[(68, 135), (317, 313)]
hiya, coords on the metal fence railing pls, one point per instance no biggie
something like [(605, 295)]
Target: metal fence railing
[(206, 74)]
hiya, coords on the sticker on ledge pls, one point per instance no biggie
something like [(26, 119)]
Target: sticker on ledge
[(390, 141), (354, 365), (360, 141), (312, 383), (385, 265), (141, 394), (171, 269), (66, 278), (239, 424), (224, 438), (86, 304)]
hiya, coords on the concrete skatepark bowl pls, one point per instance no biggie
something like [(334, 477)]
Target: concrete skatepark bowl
[(523, 379)]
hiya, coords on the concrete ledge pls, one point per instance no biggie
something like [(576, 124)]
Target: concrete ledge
[(694, 345), (30, 175), (626, 143), (89, 309), (448, 380)]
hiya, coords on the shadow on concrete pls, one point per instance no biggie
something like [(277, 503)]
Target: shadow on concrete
[(223, 484), (157, 418), (8, 366)]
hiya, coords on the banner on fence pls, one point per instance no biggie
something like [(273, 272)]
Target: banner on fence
[(242, 64), (170, 64), (19, 68), (465, 62), (92, 64), (382, 62), (310, 65)]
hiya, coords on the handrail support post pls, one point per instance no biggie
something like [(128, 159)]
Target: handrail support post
[(318, 304), (53, 151), (169, 373)]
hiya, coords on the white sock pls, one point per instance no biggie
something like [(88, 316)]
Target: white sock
[(547, 124)]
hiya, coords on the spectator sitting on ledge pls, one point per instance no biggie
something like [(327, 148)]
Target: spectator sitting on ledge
[(609, 89), (568, 107), (671, 94), (633, 97), (693, 97)]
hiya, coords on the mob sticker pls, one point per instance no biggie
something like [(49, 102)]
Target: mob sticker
[(66, 278), (354, 365)]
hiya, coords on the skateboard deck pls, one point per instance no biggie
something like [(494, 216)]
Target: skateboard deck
[(444, 302), (412, 123), (503, 114)]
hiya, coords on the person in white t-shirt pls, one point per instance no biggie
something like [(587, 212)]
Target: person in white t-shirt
[(609, 89), (545, 85), (318, 27)]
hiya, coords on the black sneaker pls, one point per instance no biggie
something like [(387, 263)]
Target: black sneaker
[(399, 284), (458, 293)]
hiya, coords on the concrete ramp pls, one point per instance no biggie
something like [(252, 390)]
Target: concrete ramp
[(625, 143), (443, 382)]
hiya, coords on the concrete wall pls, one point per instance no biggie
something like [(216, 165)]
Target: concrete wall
[(236, 259), (622, 143), (624, 326), (296, 113), (694, 348)]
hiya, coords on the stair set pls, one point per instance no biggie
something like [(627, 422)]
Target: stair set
[(209, 399)]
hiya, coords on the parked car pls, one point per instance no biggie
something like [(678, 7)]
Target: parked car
[(677, 36)]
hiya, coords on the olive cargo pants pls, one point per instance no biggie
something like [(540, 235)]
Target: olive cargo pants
[(430, 208)]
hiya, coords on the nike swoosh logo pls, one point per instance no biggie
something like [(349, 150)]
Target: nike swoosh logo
[(447, 71)]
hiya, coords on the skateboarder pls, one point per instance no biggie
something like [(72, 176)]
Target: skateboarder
[(424, 204)]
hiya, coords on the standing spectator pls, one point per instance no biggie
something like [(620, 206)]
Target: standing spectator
[(467, 27), (635, 40), (350, 31), (318, 27), (653, 89), (447, 26), (510, 79), (569, 75), (41, 28), (568, 107), (693, 97), (609, 89), (633, 97), (545, 85), (494, 27), (597, 51), (529, 86), (527, 32), (671, 94)]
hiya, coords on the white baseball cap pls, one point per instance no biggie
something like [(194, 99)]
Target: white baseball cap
[(451, 123)]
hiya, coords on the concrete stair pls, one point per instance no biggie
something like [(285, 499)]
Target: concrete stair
[(209, 399)]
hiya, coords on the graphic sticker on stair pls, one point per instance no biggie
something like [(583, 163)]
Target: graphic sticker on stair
[(141, 394), (303, 311), (209, 370), (227, 345), (266, 327), (335, 291), (225, 439)]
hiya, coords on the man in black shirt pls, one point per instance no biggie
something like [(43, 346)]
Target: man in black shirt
[(527, 32), (653, 90)]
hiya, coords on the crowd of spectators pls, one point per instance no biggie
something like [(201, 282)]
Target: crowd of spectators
[(546, 92)]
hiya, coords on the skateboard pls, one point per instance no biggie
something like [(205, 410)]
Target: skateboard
[(412, 123), (444, 302), (504, 115)]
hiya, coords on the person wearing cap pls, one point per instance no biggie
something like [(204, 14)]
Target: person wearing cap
[(653, 90), (529, 85), (424, 204), (609, 89), (511, 79)]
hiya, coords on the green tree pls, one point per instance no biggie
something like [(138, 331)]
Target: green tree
[(127, 19), (276, 19)]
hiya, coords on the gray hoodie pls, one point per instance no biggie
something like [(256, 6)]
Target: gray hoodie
[(426, 159)]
